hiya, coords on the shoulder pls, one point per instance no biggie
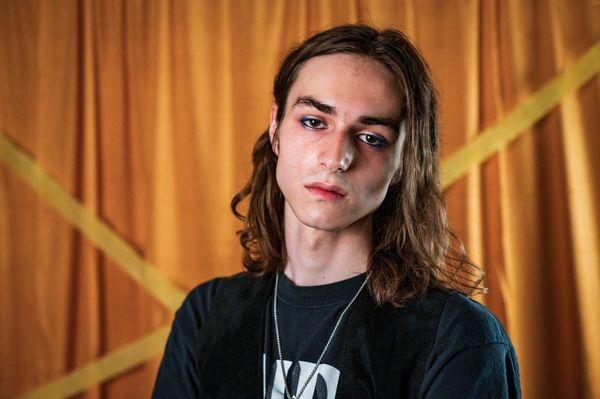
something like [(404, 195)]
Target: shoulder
[(200, 300), (465, 322), (471, 354), (452, 321), (449, 318), (466, 329)]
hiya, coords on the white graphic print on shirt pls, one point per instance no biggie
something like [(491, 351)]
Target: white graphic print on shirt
[(323, 385)]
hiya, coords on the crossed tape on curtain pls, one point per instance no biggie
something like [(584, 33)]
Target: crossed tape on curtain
[(91, 226), (484, 145)]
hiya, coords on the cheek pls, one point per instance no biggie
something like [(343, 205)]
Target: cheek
[(376, 191), (377, 183), (287, 171)]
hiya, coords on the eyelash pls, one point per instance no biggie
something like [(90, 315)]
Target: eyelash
[(304, 120), (381, 142)]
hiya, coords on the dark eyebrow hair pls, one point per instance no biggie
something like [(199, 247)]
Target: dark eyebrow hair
[(312, 102), (390, 123)]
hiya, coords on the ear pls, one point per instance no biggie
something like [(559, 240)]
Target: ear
[(273, 137)]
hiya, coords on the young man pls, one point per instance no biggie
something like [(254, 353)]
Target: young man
[(352, 288)]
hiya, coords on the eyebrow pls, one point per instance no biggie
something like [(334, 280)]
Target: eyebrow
[(310, 101), (390, 123)]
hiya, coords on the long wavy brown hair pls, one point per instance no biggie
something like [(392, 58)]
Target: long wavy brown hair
[(413, 246)]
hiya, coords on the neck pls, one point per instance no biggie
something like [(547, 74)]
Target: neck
[(317, 257)]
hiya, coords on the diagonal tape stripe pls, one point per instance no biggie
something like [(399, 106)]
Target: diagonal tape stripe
[(91, 226), (486, 144), (522, 117), (105, 368)]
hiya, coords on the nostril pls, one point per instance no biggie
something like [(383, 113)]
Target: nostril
[(337, 153)]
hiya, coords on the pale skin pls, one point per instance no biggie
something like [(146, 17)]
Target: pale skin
[(340, 132)]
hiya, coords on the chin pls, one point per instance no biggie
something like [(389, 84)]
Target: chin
[(330, 227), (325, 221)]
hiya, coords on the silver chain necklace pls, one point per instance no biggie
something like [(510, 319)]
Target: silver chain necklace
[(312, 373)]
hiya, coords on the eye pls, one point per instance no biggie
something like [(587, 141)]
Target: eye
[(312, 123), (372, 140)]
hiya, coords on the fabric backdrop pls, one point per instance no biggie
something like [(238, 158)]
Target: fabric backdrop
[(146, 112)]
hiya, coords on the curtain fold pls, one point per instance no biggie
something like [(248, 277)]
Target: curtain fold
[(147, 111)]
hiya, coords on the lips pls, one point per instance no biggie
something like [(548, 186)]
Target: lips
[(326, 191)]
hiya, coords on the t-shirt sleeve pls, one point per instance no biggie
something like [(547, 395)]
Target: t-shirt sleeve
[(472, 356), (177, 375)]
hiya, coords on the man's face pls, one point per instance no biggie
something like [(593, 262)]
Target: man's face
[(339, 143)]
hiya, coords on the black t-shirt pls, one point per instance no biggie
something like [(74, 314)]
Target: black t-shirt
[(306, 317), (460, 364)]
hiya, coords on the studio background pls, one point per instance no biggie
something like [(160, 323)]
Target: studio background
[(145, 113)]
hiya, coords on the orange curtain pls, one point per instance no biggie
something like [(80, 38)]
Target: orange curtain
[(146, 112)]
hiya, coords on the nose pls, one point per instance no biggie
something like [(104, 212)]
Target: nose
[(337, 152)]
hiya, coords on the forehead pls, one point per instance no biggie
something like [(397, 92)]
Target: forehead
[(352, 83)]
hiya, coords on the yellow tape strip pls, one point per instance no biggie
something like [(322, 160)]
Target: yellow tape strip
[(91, 226), (473, 153), (105, 368), (522, 117)]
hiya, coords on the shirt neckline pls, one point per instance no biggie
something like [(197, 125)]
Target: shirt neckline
[(319, 295)]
